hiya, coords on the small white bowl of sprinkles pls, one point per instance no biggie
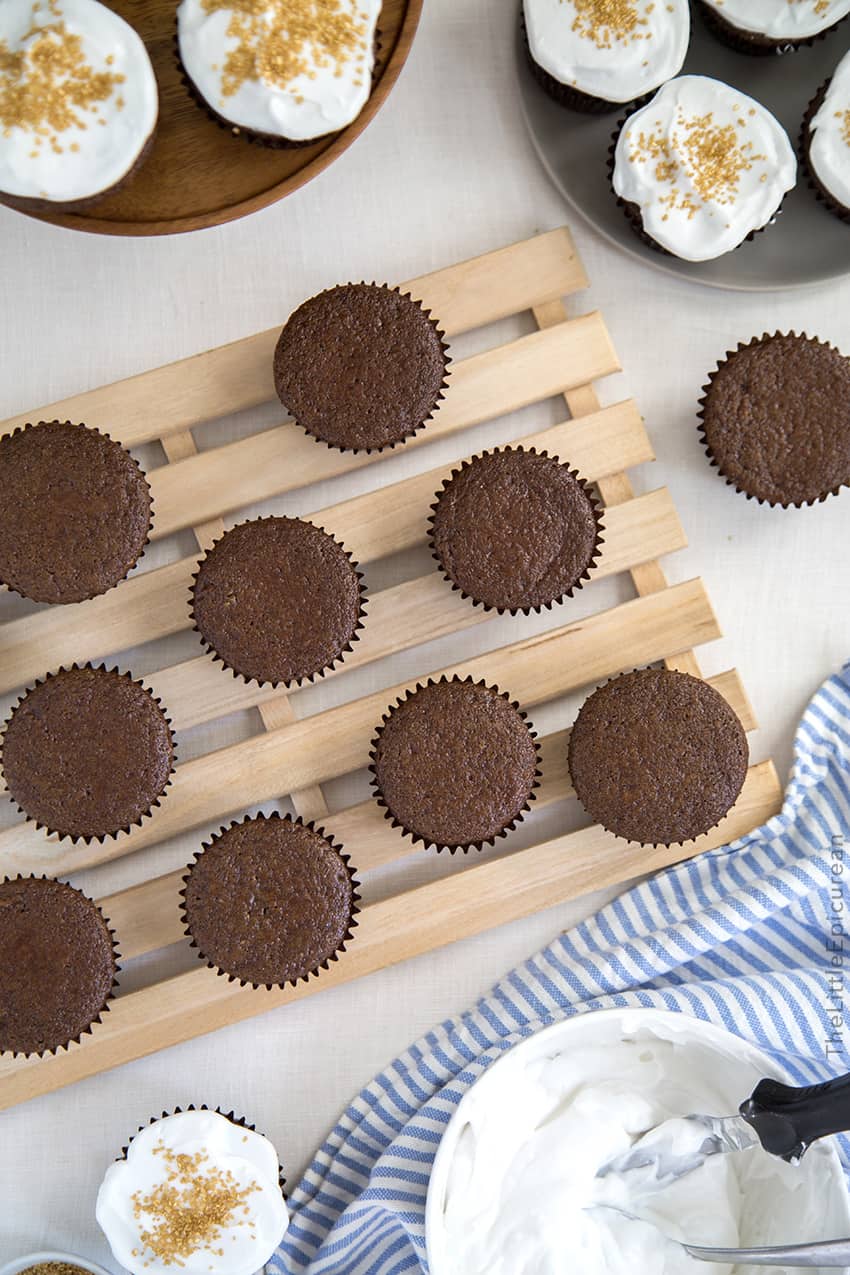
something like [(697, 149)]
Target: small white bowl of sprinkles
[(52, 1263)]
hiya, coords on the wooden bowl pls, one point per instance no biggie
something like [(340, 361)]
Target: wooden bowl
[(199, 174)]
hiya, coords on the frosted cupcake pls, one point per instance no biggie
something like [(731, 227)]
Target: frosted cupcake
[(701, 168), (283, 72), (772, 26), (826, 141), (595, 55), (78, 102)]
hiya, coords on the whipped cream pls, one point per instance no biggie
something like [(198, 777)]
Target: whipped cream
[(324, 84), (142, 1195), (514, 1190), (90, 100), (705, 164), (829, 136), (781, 19), (577, 44)]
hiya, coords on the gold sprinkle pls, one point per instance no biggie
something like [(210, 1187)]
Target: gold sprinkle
[(844, 116), (607, 22)]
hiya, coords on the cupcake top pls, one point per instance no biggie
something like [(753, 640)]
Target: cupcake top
[(781, 19), (78, 99), (195, 1192), (269, 901), (75, 511), (515, 529), (455, 764), (87, 752), (615, 51), (705, 164), (657, 756), (277, 600), (360, 367), (297, 69), (57, 964), (776, 419), (829, 135)]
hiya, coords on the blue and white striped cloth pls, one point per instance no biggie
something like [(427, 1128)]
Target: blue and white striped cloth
[(752, 937)]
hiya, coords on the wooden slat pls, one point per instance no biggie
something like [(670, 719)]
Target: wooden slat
[(484, 895), (155, 604), (239, 376), (337, 741)]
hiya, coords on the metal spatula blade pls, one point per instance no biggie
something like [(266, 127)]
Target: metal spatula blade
[(657, 1153)]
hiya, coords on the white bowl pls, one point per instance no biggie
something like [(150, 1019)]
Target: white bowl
[(739, 1067), (34, 1259)]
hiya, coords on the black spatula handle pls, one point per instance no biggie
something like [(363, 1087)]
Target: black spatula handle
[(788, 1120)]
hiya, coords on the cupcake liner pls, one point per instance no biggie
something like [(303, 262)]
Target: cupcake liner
[(21, 429), (110, 996), (355, 900), (703, 437), (653, 844), (441, 393), (241, 1121), (295, 681), (752, 42), (812, 180), (526, 610), (564, 94), (100, 838), (415, 837)]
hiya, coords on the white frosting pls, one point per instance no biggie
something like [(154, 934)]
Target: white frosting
[(829, 147), (247, 1160), (684, 207), (781, 19), (615, 68), (514, 1190), (315, 102), (94, 153)]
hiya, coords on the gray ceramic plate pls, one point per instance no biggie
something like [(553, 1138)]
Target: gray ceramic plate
[(806, 245)]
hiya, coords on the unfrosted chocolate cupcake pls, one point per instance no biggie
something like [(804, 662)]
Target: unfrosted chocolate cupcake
[(75, 512), (657, 756), (776, 419), (277, 600), (87, 753), (57, 965), (270, 900), (455, 764), (515, 530), (361, 366)]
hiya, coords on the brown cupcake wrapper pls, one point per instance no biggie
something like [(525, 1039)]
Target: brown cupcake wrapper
[(630, 840), (416, 837), (565, 94), (355, 900), (270, 141), (20, 429), (441, 393), (241, 1121), (306, 678), (703, 437), (100, 837), (596, 506), (812, 180), (110, 996), (751, 42)]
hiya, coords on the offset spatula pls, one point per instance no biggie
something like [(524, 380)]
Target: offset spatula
[(783, 1120)]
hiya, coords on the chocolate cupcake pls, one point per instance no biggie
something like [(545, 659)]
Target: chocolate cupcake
[(597, 56), (775, 419), (455, 764), (657, 757), (701, 168), (277, 600), (87, 753), (515, 530), (270, 901), (825, 141), (766, 27), (279, 72), (58, 963), (194, 1189), (78, 103), (75, 512), (360, 367)]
